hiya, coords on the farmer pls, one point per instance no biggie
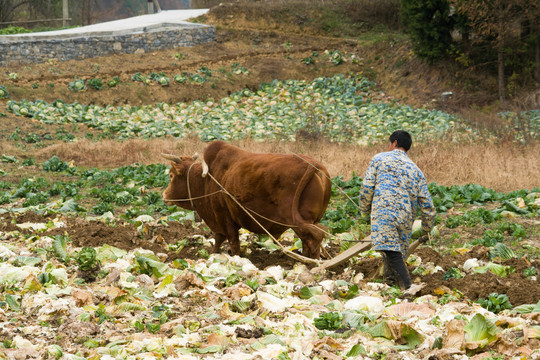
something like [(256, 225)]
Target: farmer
[(392, 190)]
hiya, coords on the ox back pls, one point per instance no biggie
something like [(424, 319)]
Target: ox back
[(280, 191)]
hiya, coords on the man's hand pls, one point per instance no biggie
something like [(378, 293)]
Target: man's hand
[(423, 239)]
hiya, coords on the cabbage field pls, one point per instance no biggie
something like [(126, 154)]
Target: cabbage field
[(94, 265), (339, 108)]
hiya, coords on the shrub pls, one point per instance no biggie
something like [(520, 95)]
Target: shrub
[(13, 30)]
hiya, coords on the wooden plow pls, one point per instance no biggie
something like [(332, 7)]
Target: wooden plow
[(361, 246)]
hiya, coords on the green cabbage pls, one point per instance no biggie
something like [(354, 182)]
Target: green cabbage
[(3, 93)]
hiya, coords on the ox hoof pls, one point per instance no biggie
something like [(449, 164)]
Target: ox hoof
[(306, 277), (318, 270)]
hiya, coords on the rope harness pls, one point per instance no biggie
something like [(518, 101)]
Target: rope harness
[(191, 198), (251, 213), (247, 211), (328, 177), (195, 197)]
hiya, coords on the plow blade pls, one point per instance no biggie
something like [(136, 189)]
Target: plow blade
[(362, 246)]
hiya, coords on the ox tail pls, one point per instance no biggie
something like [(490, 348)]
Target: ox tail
[(310, 172), (309, 230)]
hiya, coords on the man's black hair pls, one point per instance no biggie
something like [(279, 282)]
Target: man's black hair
[(403, 138)]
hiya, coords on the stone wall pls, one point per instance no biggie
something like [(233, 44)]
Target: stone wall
[(36, 49)]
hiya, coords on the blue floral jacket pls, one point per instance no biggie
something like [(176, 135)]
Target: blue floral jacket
[(392, 190)]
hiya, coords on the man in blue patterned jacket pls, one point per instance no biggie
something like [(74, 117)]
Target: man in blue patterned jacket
[(392, 190)]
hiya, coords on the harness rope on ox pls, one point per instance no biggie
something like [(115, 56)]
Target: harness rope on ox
[(291, 254), (250, 212), (195, 197), (206, 172), (190, 198), (328, 177)]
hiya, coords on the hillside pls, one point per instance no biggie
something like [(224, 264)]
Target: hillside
[(251, 40), (94, 264)]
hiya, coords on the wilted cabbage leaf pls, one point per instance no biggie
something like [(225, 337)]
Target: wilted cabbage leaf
[(528, 308), (479, 332), (59, 247), (356, 350), (497, 269), (150, 266), (108, 252)]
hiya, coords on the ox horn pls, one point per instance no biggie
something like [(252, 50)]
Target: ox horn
[(174, 158), (204, 168), (195, 156)]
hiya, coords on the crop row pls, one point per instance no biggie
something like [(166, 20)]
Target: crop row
[(136, 190), (202, 75), (338, 108), (199, 77)]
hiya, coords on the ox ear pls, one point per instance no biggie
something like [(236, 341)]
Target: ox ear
[(178, 169)]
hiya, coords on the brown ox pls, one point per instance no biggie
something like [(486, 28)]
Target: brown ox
[(280, 192)]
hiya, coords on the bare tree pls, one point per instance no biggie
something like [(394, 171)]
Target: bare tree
[(8, 7)]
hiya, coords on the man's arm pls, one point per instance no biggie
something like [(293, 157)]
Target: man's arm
[(426, 207), (368, 188)]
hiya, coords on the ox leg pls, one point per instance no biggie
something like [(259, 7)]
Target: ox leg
[(219, 239), (232, 236), (234, 242), (312, 237)]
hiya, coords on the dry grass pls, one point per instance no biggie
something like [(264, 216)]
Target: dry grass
[(504, 167)]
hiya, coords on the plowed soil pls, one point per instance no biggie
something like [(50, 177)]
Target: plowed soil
[(473, 286)]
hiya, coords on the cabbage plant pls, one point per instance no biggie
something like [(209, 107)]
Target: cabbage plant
[(95, 83), (86, 258), (495, 302), (3, 92), (77, 85)]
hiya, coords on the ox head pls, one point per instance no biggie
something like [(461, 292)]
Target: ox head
[(177, 192)]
